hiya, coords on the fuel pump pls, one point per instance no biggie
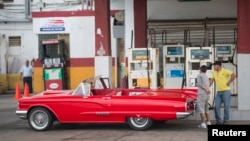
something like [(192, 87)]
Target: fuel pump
[(143, 67), (173, 68), (226, 54), (196, 57), (54, 65)]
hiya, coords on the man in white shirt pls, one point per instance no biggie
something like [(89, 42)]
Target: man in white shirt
[(26, 75)]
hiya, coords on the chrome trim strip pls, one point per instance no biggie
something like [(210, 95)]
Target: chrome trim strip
[(22, 114), (182, 114)]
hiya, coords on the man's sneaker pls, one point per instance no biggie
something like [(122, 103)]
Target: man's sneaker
[(202, 125), (208, 123)]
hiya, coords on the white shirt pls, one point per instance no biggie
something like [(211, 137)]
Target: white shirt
[(27, 71)]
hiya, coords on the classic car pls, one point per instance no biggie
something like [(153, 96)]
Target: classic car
[(93, 102)]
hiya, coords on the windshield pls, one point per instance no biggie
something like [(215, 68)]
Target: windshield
[(84, 88), (92, 79), (78, 90)]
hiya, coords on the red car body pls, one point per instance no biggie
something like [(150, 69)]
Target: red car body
[(140, 108)]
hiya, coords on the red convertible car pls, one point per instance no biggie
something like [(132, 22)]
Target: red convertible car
[(93, 102)]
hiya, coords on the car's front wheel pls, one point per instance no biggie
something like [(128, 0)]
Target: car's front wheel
[(140, 123), (40, 119)]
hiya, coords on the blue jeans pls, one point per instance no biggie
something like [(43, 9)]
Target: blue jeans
[(225, 98)]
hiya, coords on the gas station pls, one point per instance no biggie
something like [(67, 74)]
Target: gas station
[(181, 59), (140, 44)]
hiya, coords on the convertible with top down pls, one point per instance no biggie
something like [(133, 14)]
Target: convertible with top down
[(93, 102)]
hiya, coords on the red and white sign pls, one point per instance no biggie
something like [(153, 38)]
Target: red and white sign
[(52, 41), (52, 25), (54, 84)]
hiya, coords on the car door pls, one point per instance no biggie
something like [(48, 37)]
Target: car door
[(92, 109)]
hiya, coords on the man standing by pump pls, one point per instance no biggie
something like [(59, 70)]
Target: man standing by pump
[(26, 75), (223, 78)]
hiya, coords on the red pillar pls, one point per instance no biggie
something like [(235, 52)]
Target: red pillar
[(102, 28), (243, 16), (140, 23)]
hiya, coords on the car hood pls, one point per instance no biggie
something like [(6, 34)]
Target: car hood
[(49, 94)]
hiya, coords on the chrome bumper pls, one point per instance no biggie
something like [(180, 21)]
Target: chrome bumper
[(22, 114), (183, 114), (188, 113)]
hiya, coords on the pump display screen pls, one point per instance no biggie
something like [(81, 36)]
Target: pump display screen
[(200, 54), (140, 54), (48, 61), (175, 50), (56, 61), (223, 50)]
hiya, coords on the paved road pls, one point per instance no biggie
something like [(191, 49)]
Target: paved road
[(14, 129)]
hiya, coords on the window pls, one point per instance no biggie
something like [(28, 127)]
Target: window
[(14, 41)]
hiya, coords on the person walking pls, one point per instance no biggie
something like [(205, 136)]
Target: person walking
[(26, 75), (203, 97), (222, 78)]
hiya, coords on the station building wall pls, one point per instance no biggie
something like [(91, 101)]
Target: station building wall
[(82, 32)]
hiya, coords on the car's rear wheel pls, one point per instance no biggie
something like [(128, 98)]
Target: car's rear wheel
[(140, 123), (40, 119)]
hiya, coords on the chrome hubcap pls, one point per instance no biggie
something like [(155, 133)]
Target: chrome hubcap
[(139, 121), (39, 119)]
